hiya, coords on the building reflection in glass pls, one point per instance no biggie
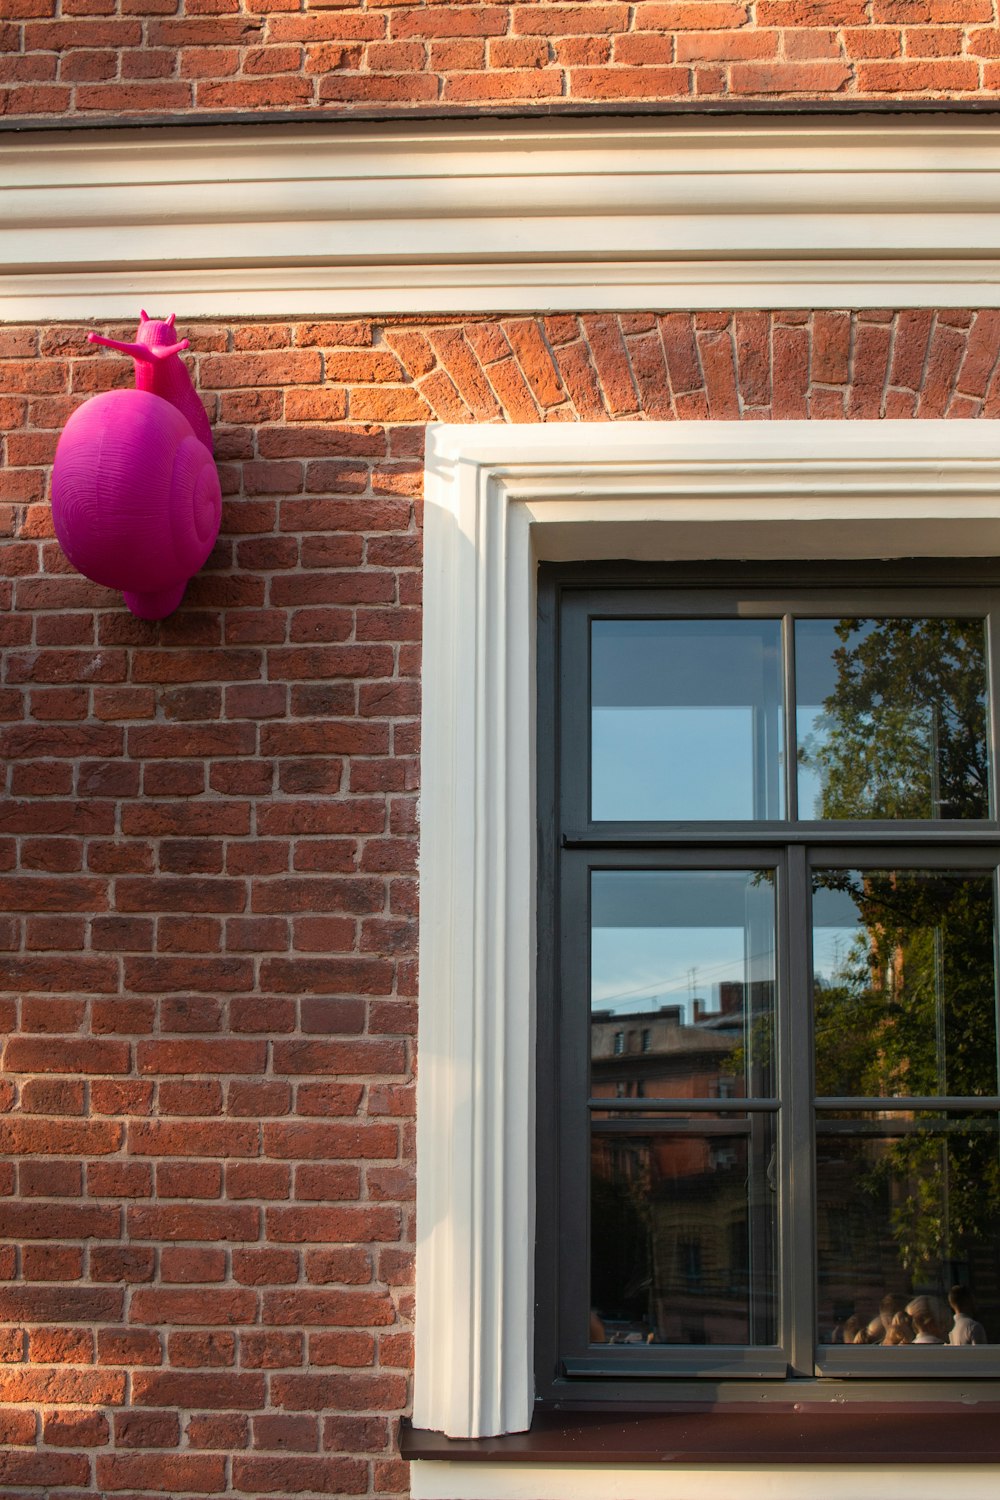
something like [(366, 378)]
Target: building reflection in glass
[(683, 1200)]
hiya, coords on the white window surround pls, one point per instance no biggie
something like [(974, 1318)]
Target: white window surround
[(497, 500), (338, 218)]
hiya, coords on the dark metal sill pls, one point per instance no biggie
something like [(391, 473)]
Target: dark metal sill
[(943, 1432), (339, 116)]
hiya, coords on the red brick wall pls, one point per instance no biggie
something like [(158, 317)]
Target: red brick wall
[(207, 857), (93, 57)]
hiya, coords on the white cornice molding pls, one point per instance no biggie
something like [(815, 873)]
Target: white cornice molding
[(447, 217), (498, 498)]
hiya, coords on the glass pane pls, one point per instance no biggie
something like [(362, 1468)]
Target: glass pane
[(682, 984), (908, 1215), (904, 983), (891, 718), (686, 719), (683, 1236)]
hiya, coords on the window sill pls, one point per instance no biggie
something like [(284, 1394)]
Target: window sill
[(879, 1433)]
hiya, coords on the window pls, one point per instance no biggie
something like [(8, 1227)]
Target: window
[(774, 866), (498, 500)]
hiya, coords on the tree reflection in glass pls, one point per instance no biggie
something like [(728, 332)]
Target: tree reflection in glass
[(891, 718), (904, 990), (908, 1197)]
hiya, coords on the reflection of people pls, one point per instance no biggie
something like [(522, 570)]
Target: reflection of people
[(597, 1333), (965, 1330), (875, 1332), (854, 1330), (890, 1305), (929, 1319), (900, 1330)]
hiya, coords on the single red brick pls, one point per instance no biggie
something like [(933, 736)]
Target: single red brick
[(909, 12), (752, 332), (944, 355), (872, 343), (790, 348), (199, 1179), (819, 13), (567, 20), (74, 1346), (628, 83), (192, 1221), (162, 974), (52, 1096), (126, 1263), (717, 358), (218, 1390), (315, 1224), (217, 1138), (128, 1346), (209, 1349), (50, 1179), (327, 1475), (351, 1350), (270, 1349), (366, 1392), (265, 1267), (356, 1056), (356, 1434), (789, 77), (46, 1470), (981, 354), (227, 1432), (296, 1433), (178, 1472), (644, 49), (17, 1426), (328, 1182), (900, 404), (52, 1263), (12, 1345), (348, 1266), (147, 1429), (522, 84), (80, 1387), (68, 1429), (45, 1221), (396, 1350)]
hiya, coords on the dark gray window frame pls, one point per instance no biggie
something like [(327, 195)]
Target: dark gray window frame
[(569, 1373)]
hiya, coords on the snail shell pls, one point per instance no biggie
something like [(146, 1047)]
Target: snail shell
[(136, 501)]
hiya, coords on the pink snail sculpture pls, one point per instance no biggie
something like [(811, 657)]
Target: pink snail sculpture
[(136, 501)]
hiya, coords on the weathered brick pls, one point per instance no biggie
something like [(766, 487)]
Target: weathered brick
[(209, 840)]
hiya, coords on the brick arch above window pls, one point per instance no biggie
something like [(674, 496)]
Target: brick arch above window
[(913, 362)]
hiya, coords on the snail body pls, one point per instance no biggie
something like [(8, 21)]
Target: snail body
[(136, 500)]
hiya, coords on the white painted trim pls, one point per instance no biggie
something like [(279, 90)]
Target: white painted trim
[(496, 499), (490, 1481), (462, 217)]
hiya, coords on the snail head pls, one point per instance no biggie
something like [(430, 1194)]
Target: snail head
[(155, 339)]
